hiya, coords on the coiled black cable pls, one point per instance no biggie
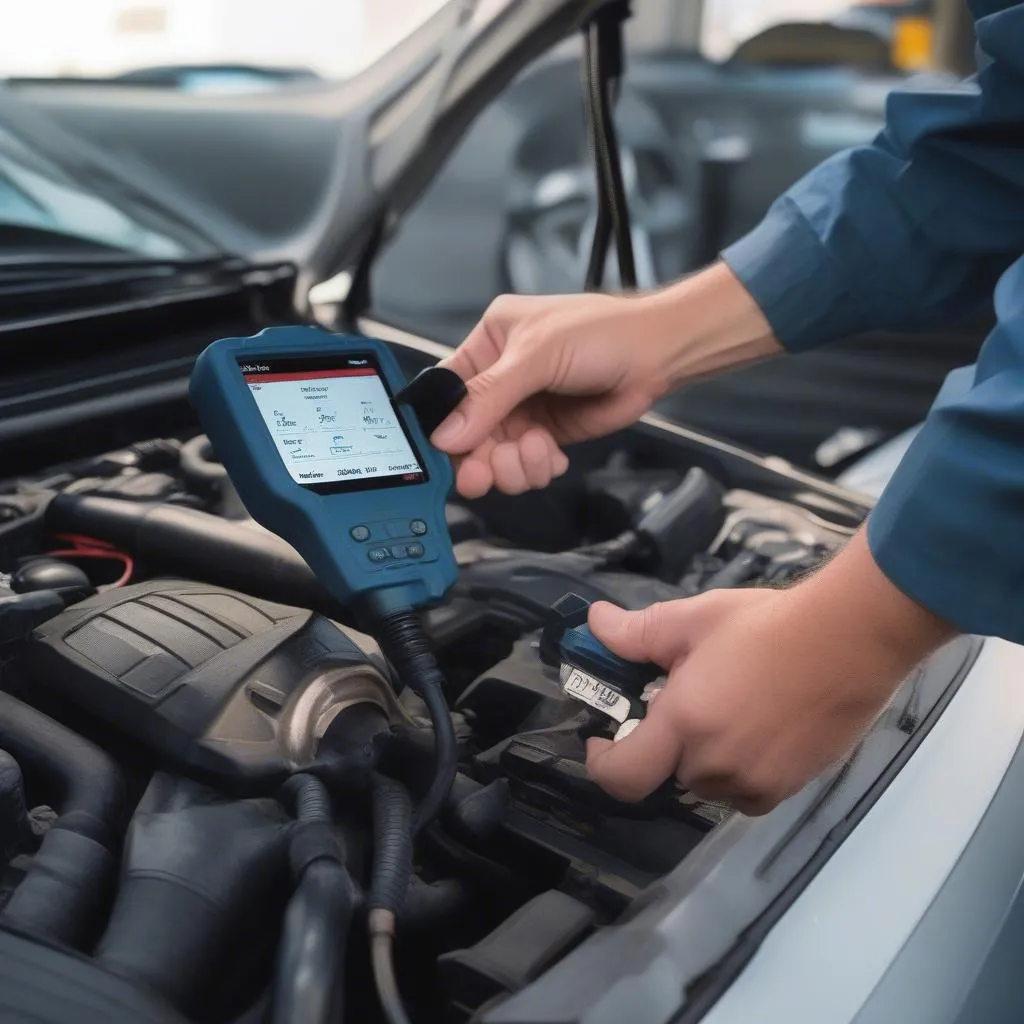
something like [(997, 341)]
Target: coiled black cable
[(405, 645)]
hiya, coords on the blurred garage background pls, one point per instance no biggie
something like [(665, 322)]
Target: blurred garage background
[(725, 103)]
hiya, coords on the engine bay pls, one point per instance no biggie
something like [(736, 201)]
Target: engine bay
[(178, 693)]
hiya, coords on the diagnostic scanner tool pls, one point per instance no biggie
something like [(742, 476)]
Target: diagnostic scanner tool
[(322, 454)]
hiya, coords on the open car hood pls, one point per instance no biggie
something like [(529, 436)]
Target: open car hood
[(311, 173)]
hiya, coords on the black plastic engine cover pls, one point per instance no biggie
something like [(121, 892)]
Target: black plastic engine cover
[(522, 587), (223, 686)]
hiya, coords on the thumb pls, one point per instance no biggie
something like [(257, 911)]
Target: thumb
[(657, 633), (493, 394)]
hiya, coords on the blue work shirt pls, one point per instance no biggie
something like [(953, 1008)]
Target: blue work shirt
[(914, 230)]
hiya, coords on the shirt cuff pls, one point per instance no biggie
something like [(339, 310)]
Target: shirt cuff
[(794, 280), (946, 530)]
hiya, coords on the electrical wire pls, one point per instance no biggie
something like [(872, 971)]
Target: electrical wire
[(90, 547), (383, 959), (392, 870), (407, 647)]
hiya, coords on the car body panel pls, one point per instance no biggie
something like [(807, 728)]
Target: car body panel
[(858, 944)]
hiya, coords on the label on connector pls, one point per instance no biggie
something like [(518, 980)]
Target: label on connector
[(593, 692)]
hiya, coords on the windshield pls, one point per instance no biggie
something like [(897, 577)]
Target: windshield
[(36, 194), (206, 50)]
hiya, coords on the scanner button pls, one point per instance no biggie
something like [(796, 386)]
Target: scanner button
[(378, 554), (417, 527), (415, 550), (360, 533), (398, 551)]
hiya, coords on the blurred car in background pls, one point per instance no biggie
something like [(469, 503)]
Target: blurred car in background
[(707, 146)]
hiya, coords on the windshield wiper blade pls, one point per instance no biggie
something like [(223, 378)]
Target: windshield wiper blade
[(41, 268), (60, 287), (41, 262), (66, 277)]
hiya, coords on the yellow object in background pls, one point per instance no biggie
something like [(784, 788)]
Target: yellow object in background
[(913, 39)]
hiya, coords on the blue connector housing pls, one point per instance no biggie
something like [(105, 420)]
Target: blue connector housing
[(581, 649)]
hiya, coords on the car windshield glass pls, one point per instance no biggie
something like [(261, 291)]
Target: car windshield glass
[(36, 194)]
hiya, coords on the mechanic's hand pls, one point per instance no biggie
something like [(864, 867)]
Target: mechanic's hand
[(766, 688), (543, 372), (546, 371)]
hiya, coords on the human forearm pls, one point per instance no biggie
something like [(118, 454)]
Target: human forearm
[(850, 610), (703, 325)]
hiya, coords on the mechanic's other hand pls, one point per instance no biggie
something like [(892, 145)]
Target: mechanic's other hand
[(543, 372), (766, 688), (547, 371)]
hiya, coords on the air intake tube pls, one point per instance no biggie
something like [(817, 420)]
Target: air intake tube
[(61, 897), (198, 874), (198, 545), (309, 984)]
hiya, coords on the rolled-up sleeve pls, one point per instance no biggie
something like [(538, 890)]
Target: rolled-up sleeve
[(912, 230), (949, 527)]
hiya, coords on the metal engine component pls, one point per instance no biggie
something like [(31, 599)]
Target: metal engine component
[(227, 687)]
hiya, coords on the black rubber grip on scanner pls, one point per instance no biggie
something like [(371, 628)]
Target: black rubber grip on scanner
[(433, 395)]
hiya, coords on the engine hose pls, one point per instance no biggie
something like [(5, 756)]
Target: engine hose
[(430, 905), (392, 870), (309, 980), (406, 646), (392, 845), (309, 796), (196, 544), (613, 551), (197, 875), (309, 987), (198, 464), (156, 453), (15, 828), (61, 896)]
